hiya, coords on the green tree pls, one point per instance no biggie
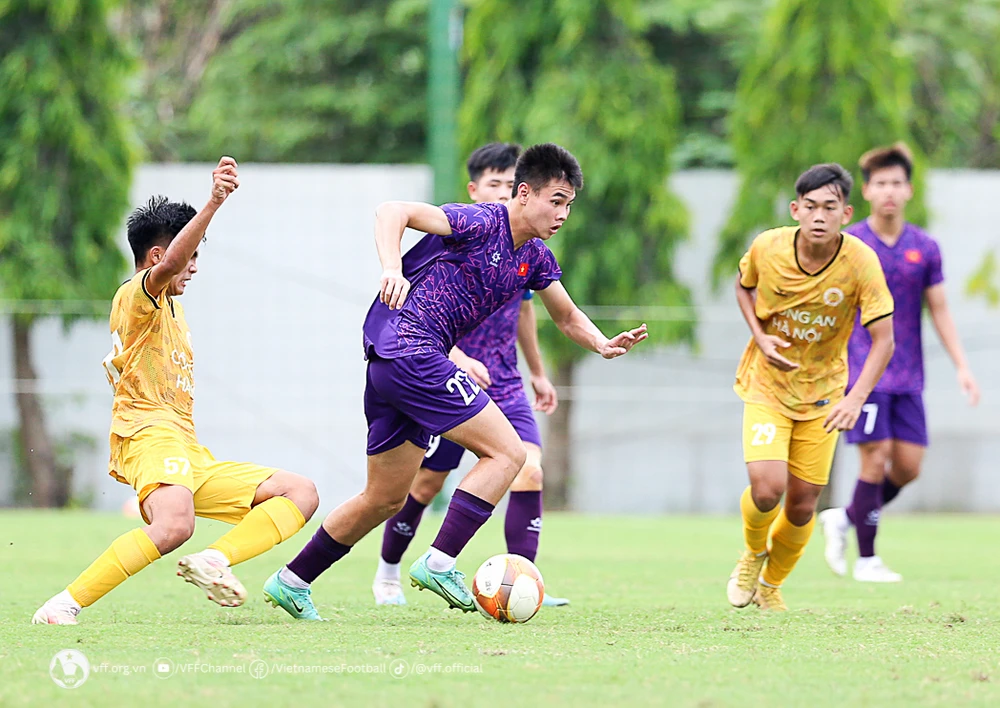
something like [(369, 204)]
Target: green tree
[(954, 48), (706, 43), (65, 170), (174, 40), (581, 75), (811, 93), (314, 81)]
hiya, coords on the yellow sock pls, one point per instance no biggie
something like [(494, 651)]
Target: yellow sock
[(126, 556), (264, 527), (755, 522), (788, 542)]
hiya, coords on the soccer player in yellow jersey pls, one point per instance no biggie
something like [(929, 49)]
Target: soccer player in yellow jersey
[(153, 442), (799, 290)]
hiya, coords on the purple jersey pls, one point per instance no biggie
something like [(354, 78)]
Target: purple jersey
[(457, 281), (911, 266), (494, 343)]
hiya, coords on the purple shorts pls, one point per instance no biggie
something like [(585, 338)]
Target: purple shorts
[(891, 416), (445, 455), (415, 397)]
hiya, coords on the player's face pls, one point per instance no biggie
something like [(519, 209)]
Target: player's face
[(821, 213), (546, 210), (888, 190), (492, 186), (180, 281)]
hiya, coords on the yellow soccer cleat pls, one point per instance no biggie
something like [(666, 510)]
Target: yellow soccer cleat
[(743, 580), (768, 598)]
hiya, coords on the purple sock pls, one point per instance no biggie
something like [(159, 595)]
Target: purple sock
[(319, 554), (864, 513), (523, 524), (889, 491), (400, 529), (466, 514)]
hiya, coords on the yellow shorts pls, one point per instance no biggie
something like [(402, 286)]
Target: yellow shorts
[(157, 456), (803, 444)]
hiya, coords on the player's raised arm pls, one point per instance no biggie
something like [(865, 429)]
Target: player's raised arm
[(225, 181), (391, 220), (572, 322), (769, 344), (937, 303), (546, 398), (846, 413)]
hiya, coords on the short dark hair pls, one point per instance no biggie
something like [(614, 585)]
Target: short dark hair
[(156, 223), (829, 173), (540, 164), (895, 155), (499, 157)]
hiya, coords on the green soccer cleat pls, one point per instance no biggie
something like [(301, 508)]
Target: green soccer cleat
[(295, 601), (449, 585), (549, 601)]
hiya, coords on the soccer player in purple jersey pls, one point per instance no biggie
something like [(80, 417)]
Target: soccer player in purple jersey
[(474, 259), (489, 356), (892, 431)]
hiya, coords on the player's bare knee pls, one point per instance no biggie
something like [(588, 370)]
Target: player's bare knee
[(513, 459), (530, 477), (766, 496), (172, 531), (427, 486), (799, 512), (303, 494)]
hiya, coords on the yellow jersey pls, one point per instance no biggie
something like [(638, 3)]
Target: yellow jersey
[(814, 312), (151, 365)]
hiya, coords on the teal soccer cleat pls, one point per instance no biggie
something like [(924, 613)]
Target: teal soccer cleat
[(549, 601), (449, 585), (295, 601)]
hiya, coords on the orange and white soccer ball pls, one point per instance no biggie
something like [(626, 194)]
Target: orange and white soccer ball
[(508, 588)]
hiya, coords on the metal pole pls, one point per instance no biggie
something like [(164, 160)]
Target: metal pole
[(445, 39)]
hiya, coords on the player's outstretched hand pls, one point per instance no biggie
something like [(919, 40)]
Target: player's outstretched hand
[(770, 345), (478, 371), (844, 415), (969, 387), (225, 180), (546, 398), (395, 288), (621, 344)]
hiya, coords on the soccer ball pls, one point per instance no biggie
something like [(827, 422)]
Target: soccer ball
[(508, 588)]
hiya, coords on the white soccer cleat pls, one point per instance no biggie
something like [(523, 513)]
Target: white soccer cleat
[(54, 613), (835, 527), (388, 592), (214, 578), (873, 570)]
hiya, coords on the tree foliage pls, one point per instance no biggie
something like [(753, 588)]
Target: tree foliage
[(811, 93), (65, 169), (315, 81), (581, 75), (65, 150), (954, 48)]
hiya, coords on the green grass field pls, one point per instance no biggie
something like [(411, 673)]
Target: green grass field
[(649, 625)]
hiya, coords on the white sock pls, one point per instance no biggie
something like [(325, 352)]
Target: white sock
[(216, 555), (291, 579), (66, 600), (387, 571), (440, 562)]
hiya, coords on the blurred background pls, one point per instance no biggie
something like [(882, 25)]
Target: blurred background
[(691, 119)]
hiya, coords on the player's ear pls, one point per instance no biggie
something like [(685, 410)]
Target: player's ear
[(522, 192), (848, 213), (793, 209), (471, 187)]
